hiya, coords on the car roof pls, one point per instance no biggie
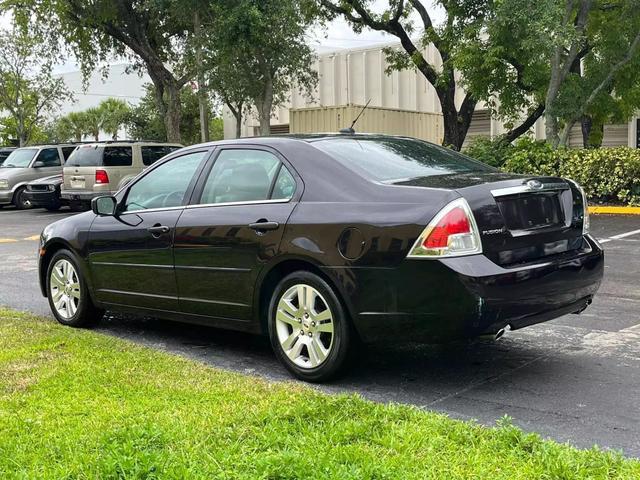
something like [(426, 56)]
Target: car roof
[(279, 139)]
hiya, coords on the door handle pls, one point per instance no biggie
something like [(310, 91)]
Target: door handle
[(158, 230), (264, 225)]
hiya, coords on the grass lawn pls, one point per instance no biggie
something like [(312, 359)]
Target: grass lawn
[(76, 404)]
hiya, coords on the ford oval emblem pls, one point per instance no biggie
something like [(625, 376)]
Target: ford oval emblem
[(535, 184)]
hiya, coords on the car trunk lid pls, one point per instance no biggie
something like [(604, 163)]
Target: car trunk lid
[(521, 218)]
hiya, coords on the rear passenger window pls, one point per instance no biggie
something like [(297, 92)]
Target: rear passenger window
[(285, 185), (152, 154), (240, 176), (117, 157), (49, 157), (67, 151)]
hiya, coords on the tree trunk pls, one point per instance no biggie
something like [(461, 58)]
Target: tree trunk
[(168, 101), (456, 122), (238, 123), (264, 106), (173, 114), (20, 133), (586, 124), (202, 93)]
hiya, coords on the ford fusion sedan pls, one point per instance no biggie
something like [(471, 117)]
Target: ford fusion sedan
[(322, 241)]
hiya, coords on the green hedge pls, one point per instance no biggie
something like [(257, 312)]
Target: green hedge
[(606, 174)]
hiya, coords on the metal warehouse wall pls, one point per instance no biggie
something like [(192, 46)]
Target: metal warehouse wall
[(427, 126)]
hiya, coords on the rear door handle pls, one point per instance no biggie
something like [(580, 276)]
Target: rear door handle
[(158, 230), (261, 226)]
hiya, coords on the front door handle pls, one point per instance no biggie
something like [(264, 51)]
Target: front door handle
[(158, 230), (264, 225)]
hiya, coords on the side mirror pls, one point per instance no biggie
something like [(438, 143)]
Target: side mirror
[(104, 206), (38, 164)]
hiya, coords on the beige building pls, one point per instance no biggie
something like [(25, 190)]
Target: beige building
[(401, 103)]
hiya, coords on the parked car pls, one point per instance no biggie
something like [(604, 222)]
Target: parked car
[(318, 240), (45, 193), (26, 164), (103, 168), (4, 153)]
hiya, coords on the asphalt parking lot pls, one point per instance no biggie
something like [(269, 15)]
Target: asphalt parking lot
[(576, 379)]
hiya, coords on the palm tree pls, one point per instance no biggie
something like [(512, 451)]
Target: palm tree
[(94, 120), (72, 125), (115, 114)]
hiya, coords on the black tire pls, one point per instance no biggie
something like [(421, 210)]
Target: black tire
[(339, 350), (20, 200), (87, 314), (54, 207), (78, 206)]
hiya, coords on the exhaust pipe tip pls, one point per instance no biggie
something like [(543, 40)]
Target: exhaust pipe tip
[(493, 336)]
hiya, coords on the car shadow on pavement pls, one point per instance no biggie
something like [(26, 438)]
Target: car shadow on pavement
[(418, 374)]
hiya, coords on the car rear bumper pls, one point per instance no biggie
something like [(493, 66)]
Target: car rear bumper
[(469, 296), (81, 195)]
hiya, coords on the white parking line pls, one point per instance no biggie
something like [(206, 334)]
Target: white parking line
[(618, 237)]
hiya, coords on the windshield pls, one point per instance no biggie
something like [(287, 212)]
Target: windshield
[(20, 158), (393, 159)]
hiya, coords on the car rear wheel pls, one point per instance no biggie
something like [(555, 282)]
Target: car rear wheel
[(20, 199), (67, 292), (308, 327)]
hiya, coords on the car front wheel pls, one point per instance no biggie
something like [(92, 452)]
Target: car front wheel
[(67, 292), (308, 327), (20, 199)]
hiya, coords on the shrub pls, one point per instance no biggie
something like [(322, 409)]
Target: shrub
[(493, 152), (606, 174)]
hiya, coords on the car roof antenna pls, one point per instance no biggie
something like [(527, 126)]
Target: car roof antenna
[(350, 130)]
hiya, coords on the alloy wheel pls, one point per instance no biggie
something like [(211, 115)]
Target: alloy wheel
[(65, 288), (304, 326)]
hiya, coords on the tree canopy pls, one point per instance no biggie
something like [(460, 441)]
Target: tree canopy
[(28, 91), (150, 33)]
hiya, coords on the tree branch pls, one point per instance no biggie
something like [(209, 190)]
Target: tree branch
[(524, 127)]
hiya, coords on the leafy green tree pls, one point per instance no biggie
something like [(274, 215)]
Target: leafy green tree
[(145, 120), (28, 91), (256, 50), (568, 61), (148, 32)]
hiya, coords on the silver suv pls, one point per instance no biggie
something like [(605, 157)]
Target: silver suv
[(103, 168), (26, 164)]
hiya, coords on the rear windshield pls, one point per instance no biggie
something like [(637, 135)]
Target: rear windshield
[(100, 156), (394, 159), (20, 158)]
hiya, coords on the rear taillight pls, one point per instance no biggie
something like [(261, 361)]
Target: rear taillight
[(453, 232), (101, 176)]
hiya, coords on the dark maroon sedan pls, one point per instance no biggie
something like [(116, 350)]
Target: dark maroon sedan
[(322, 240)]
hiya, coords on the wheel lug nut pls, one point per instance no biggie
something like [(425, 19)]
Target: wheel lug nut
[(313, 324), (310, 334)]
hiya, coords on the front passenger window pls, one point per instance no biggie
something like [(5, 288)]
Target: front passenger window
[(164, 186), (49, 157)]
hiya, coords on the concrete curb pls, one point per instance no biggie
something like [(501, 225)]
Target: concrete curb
[(615, 210)]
